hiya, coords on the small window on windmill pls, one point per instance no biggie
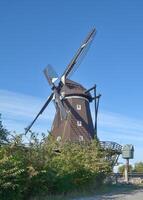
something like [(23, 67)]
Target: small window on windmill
[(79, 123), (80, 138), (78, 107), (59, 138)]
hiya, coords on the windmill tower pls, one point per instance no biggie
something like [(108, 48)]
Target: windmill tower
[(73, 120)]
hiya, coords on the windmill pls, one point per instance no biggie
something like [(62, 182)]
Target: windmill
[(73, 120)]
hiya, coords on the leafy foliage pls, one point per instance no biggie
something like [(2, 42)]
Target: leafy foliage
[(49, 167), (138, 167), (122, 168), (3, 132)]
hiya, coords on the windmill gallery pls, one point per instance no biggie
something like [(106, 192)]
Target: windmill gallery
[(73, 120)]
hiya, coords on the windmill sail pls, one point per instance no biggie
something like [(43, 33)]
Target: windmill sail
[(78, 56), (51, 77), (50, 74), (41, 111), (73, 120)]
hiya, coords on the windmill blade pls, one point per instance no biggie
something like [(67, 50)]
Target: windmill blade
[(51, 77), (50, 74), (77, 58), (63, 112), (41, 111)]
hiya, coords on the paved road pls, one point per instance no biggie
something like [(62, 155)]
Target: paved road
[(132, 195)]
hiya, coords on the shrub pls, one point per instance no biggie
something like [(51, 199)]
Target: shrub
[(3, 132), (121, 169), (138, 167), (49, 167)]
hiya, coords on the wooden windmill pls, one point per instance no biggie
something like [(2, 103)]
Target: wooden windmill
[(73, 120)]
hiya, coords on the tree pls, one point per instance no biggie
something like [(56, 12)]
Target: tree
[(122, 168), (138, 167), (3, 132)]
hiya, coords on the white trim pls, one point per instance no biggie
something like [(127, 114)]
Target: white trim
[(63, 79), (54, 79), (76, 97)]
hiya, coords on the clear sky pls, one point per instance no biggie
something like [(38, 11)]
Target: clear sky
[(34, 33)]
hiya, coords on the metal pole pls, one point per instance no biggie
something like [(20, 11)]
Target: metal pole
[(95, 107), (127, 171), (90, 89)]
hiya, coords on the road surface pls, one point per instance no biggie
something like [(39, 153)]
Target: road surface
[(122, 195)]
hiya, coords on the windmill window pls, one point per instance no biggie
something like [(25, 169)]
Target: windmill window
[(59, 138), (79, 123), (78, 106), (80, 138)]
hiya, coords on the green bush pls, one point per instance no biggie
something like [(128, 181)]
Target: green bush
[(138, 167), (121, 169), (3, 132), (12, 172), (49, 167)]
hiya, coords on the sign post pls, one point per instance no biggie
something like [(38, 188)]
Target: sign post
[(127, 153)]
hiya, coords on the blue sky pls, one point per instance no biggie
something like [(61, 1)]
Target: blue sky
[(35, 33)]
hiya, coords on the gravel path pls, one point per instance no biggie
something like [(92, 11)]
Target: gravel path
[(132, 195)]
